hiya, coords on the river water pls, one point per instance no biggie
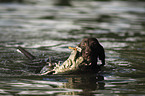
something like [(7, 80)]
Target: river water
[(46, 29)]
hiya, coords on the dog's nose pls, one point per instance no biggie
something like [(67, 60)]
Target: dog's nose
[(87, 53)]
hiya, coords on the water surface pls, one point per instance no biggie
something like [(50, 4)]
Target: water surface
[(46, 29)]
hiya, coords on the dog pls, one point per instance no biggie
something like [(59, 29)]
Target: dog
[(83, 58), (92, 50)]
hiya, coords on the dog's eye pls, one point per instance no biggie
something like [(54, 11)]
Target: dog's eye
[(84, 44)]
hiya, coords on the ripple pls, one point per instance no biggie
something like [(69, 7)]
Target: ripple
[(47, 30)]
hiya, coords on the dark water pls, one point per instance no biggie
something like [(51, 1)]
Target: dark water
[(47, 30)]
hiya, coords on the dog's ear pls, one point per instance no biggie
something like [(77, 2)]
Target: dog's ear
[(102, 55)]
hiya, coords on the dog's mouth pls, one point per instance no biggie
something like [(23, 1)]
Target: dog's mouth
[(87, 58), (87, 61)]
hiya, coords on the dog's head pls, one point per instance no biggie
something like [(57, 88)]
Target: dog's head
[(90, 50)]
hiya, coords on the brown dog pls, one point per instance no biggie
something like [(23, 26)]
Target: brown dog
[(91, 51)]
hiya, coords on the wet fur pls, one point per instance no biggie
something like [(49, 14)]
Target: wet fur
[(92, 50)]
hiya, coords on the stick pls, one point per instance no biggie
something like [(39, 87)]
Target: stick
[(26, 53)]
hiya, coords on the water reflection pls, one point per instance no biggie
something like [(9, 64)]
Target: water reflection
[(58, 85), (70, 85), (86, 83)]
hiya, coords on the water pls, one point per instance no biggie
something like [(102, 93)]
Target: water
[(47, 30)]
